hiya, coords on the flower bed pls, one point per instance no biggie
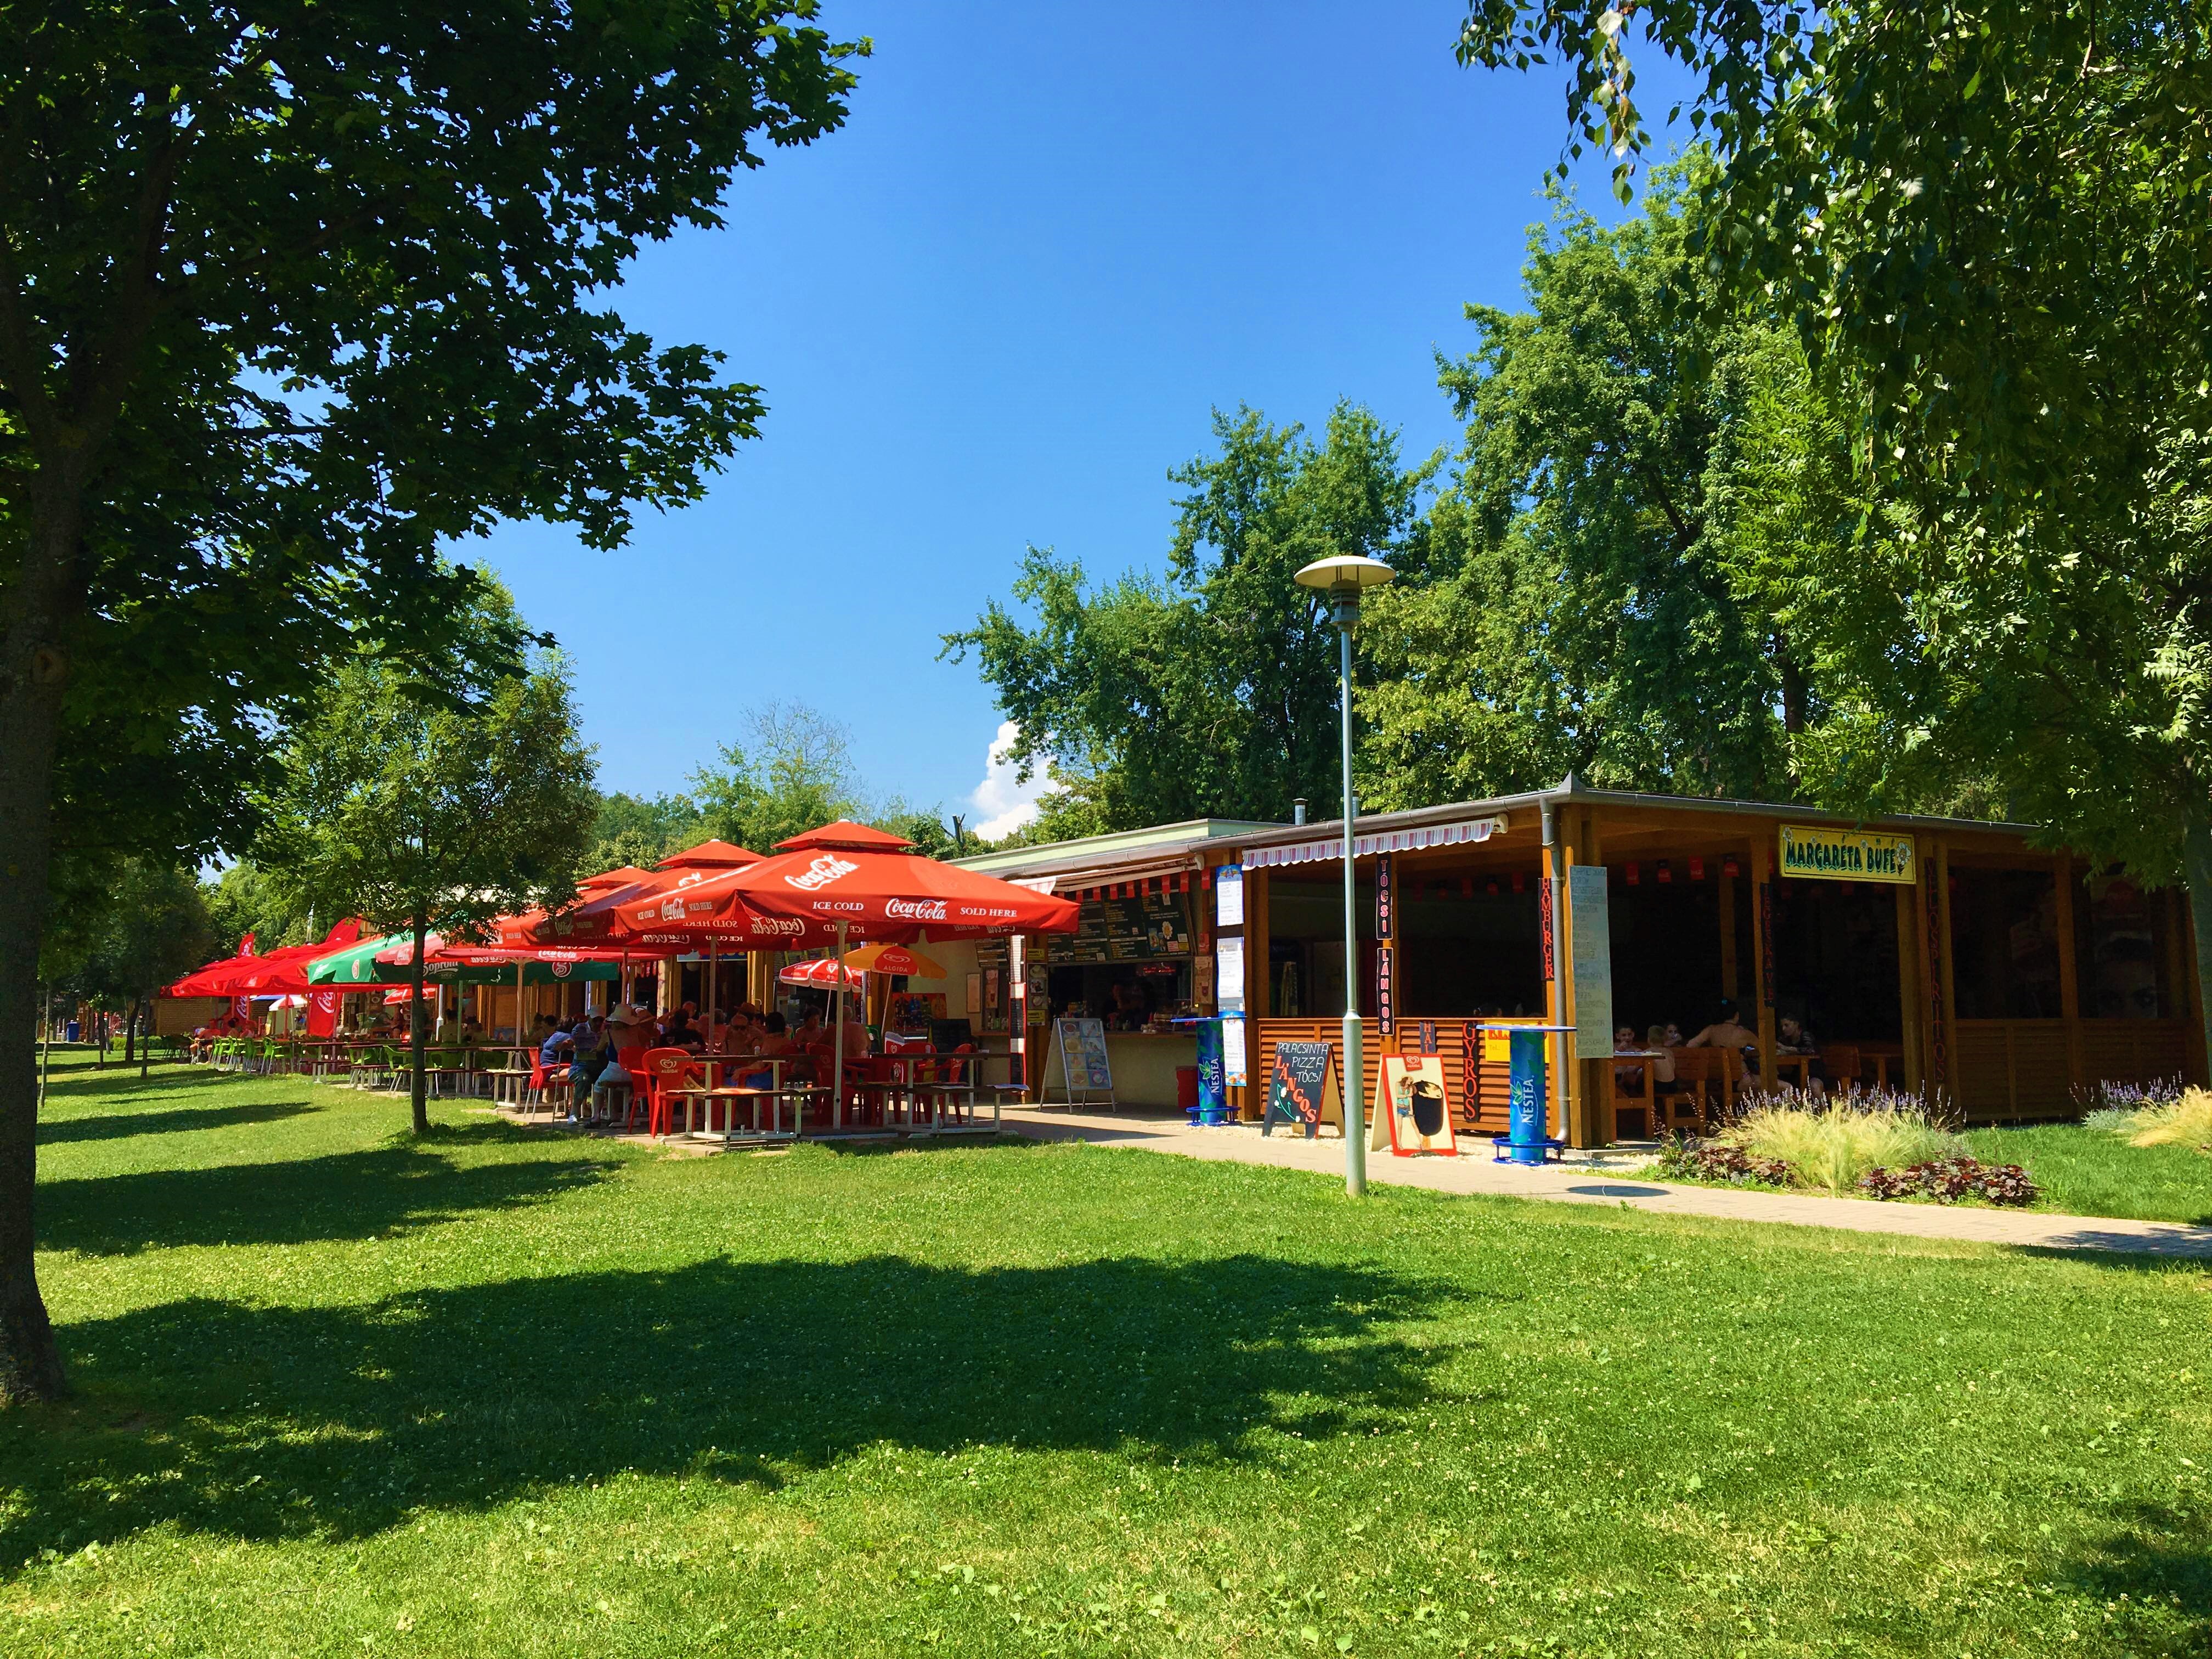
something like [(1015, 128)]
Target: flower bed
[(1947, 1180)]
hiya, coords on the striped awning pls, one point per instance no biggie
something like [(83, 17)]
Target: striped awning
[(1469, 830)]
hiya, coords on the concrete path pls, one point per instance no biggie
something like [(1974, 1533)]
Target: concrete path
[(1609, 1178)]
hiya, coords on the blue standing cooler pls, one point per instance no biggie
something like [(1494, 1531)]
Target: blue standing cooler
[(1527, 1099)]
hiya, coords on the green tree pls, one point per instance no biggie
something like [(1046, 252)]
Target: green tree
[(420, 812), (1212, 691), (1989, 225), (133, 924), (287, 298), (793, 771), (1585, 611), (248, 899)]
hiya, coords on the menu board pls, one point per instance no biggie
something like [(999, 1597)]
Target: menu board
[(1157, 925), (1088, 943)]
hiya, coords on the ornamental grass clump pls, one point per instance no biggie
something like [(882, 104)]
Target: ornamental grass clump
[(1831, 1145), (2186, 1122)]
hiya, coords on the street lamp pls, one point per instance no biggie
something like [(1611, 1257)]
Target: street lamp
[(1342, 579)]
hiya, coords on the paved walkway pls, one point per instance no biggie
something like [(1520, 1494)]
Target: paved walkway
[(1609, 1178)]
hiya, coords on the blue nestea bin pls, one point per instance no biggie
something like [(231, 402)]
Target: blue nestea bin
[(1212, 1106), (1527, 1098)]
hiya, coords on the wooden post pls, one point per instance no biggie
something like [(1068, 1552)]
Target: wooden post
[(1762, 947), (2189, 990), (1946, 1009), (1912, 976), (1727, 887), (1560, 993), (2069, 994)]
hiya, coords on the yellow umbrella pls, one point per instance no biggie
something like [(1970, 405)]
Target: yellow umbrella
[(894, 959)]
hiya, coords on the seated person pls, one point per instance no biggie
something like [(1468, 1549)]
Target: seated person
[(1790, 1037), (856, 1036), (775, 1039), (625, 1030), (589, 1053), (1627, 1079), (680, 1033), (448, 1031), (809, 1035), (558, 1039), (1726, 1032), (742, 1036)]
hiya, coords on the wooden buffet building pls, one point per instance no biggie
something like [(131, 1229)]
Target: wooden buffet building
[(2008, 977)]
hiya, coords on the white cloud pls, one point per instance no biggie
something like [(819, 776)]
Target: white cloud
[(1003, 802)]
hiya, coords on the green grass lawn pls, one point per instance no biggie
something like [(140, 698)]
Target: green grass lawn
[(2088, 1172), (507, 1392)]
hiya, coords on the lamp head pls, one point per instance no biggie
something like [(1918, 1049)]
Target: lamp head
[(1347, 571), (1342, 578)]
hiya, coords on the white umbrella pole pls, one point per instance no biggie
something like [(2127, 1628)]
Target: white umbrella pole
[(837, 1065), (521, 1034)]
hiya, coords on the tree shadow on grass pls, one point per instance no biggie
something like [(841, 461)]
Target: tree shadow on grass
[(2160, 1555), (361, 1194), (166, 1120), (335, 1422), (93, 1085)]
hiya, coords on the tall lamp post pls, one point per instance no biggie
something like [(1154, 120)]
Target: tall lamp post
[(1342, 579)]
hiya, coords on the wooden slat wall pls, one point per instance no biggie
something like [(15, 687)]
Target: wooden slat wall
[(1488, 1114), (2021, 1068), (2133, 1050)]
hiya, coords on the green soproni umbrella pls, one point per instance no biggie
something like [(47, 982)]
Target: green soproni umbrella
[(357, 965), (354, 965), (534, 973)]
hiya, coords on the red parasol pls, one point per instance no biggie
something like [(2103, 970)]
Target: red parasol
[(594, 918), (280, 972), (868, 882), (871, 886), (821, 974)]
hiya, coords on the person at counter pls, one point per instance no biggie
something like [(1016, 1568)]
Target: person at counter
[(1131, 1007)]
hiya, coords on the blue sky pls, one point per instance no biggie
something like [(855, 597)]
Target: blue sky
[(996, 307)]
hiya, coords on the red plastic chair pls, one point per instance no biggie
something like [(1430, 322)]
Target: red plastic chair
[(542, 1077), (664, 1070)]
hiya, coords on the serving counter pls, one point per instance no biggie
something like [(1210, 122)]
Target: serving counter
[(1144, 1067)]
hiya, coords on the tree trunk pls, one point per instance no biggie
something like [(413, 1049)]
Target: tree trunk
[(145, 1044), (33, 673), (417, 1095), (131, 1033), (2196, 861)]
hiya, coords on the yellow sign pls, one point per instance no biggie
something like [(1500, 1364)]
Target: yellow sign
[(1847, 855)]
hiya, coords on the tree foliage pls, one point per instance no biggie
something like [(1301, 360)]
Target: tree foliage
[(124, 930), (1990, 226), (1630, 451), (791, 770), (1211, 691), (421, 812), (288, 297)]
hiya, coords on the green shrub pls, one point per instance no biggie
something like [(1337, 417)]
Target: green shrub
[(1830, 1145)]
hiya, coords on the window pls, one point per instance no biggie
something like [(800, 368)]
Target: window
[(2120, 951), (2004, 944)]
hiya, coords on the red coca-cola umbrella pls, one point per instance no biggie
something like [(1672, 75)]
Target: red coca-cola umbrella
[(595, 918), (872, 885)]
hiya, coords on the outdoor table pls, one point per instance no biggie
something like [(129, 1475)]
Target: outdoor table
[(731, 1094), (1882, 1054)]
